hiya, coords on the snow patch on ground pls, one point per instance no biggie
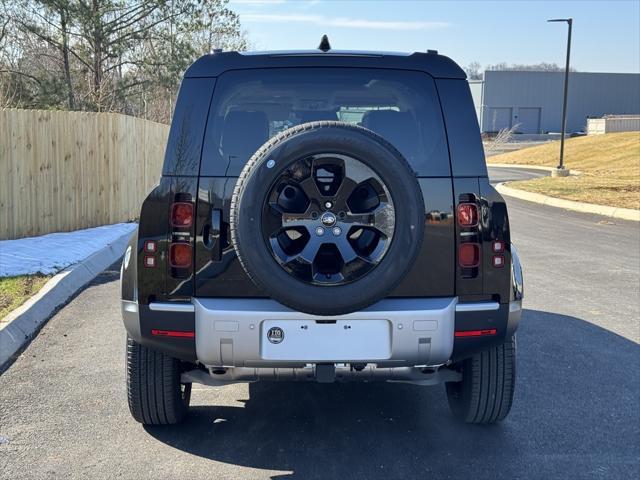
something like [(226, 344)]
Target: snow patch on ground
[(51, 253)]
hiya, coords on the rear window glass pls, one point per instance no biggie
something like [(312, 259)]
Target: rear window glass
[(251, 106)]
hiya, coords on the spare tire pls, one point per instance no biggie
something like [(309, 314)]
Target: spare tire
[(327, 218)]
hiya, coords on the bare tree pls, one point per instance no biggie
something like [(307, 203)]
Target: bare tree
[(537, 67), (474, 71), (502, 138), (117, 55)]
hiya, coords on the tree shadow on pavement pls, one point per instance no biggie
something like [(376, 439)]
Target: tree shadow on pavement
[(575, 412)]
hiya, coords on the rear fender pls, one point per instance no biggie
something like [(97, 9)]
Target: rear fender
[(142, 286), (517, 293), (500, 284), (129, 289)]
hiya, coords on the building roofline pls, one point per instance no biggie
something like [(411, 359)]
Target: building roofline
[(561, 72)]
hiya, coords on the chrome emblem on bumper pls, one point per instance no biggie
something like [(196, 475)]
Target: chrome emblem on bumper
[(275, 335)]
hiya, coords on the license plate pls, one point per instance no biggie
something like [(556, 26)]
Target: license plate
[(325, 341)]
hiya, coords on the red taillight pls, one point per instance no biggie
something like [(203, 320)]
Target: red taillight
[(181, 214), (467, 215), (469, 255), (476, 333), (180, 255)]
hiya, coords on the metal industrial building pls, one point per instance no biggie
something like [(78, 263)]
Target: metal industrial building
[(532, 101)]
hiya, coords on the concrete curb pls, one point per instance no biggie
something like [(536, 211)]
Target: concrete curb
[(21, 325), (529, 167), (614, 212)]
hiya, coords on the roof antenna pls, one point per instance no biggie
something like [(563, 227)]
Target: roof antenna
[(325, 46)]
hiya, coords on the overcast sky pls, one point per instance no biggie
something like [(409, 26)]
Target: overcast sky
[(606, 34)]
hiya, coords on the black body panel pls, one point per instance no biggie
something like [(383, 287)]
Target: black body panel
[(184, 146), (464, 347), (490, 283), (494, 221), (154, 225), (431, 276), (182, 348), (219, 273), (161, 283), (463, 133)]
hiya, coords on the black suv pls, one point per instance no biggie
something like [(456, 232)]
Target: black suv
[(322, 215)]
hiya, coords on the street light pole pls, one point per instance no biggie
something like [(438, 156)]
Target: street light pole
[(560, 170)]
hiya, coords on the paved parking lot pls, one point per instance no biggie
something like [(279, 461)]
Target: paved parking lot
[(63, 410)]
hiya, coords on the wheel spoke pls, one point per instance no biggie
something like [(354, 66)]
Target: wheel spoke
[(326, 278), (344, 192), (310, 188), (385, 219), (277, 249), (308, 253), (382, 219), (346, 250), (292, 220), (360, 219), (275, 209), (374, 257), (272, 222)]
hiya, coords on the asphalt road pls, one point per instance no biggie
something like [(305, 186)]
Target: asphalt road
[(63, 410), (505, 174)]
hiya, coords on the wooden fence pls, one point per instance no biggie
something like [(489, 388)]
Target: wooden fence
[(63, 171)]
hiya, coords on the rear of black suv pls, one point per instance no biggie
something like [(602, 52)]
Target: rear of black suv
[(322, 216)]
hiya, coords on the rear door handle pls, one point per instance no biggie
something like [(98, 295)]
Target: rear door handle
[(211, 235)]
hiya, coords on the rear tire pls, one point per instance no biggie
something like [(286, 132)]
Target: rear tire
[(485, 394), (154, 391)]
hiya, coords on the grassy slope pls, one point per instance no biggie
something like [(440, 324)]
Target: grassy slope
[(609, 166), (14, 291)]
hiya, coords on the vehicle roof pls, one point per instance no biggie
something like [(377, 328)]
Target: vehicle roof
[(214, 64)]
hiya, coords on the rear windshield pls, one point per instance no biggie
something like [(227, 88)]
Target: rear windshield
[(251, 106)]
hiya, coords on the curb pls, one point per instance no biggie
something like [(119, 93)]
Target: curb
[(22, 324), (607, 211), (530, 167)]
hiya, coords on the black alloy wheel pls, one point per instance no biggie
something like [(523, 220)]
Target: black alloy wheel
[(328, 219)]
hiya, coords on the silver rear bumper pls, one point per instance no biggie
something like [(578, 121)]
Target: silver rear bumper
[(232, 333)]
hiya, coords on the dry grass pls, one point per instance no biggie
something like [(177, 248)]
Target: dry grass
[(609, 166), (14, 291)]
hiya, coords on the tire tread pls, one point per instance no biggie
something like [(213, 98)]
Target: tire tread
[(485, 394), (153, 386)]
